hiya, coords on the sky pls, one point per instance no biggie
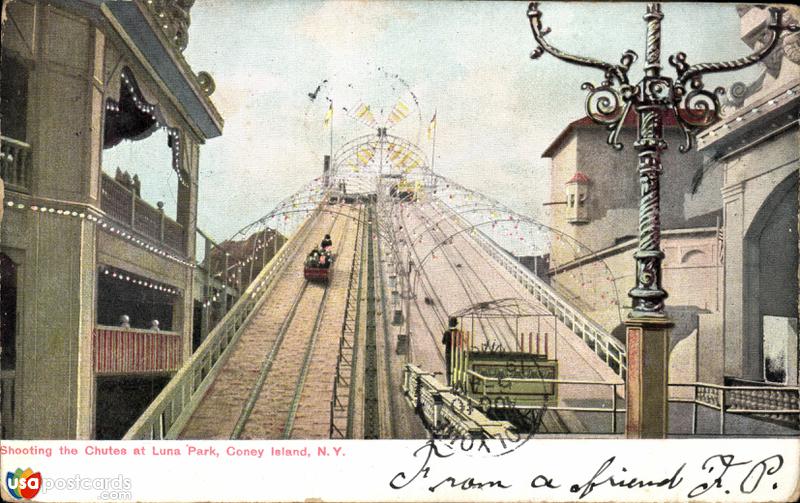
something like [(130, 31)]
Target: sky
[(497, 110)]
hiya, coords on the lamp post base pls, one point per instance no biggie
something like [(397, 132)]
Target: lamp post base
[(646, 390)]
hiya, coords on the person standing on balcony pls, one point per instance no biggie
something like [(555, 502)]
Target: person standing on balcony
[(125, 321), (154, 326)]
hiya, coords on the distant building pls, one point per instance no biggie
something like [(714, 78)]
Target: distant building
[(80, 248), (594, 204), (235, 264)]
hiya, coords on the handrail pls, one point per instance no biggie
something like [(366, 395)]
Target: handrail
[(600, 341), (723, 406), (766, 387), (349, 300), (543, 379), (724, 399), (435, 403), (136, 218), (171, 409), (114, 350), (136, 330)]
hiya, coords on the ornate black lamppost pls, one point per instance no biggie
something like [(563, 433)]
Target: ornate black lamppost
[(652, 97)]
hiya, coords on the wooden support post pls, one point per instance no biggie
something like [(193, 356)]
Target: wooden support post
[(207, 292)]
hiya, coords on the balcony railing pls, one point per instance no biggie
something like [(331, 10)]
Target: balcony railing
[(124, 206), (131, 350), (15, 164)]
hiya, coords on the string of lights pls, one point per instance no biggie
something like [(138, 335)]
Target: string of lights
[(121, 275), (105, 224), (146, 108)]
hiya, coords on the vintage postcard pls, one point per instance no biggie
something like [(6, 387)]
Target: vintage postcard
[(273, 250)]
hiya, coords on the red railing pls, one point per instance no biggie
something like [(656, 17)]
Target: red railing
[(124, 206), (131, 350)]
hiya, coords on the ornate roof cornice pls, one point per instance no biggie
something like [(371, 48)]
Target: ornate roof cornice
[(173, 19)]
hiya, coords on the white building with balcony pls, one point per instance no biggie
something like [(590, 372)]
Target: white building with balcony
[(82, 243)]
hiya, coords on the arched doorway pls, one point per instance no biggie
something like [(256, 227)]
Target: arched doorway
[(770, 287)]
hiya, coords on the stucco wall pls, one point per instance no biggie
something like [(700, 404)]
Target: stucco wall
[(613, 202), (692, 275), (750, 195)]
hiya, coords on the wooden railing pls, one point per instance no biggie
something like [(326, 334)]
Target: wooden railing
[(436, 405), (15, 164), (173, 235), (132, 350), (765, 401), (341, 409), (124, 206)]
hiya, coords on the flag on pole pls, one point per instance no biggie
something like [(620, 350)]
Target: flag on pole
[(432, 126), (328, 115), (412, 165)]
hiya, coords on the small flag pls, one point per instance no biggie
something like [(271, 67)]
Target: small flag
[(328, 115), (432, 126)]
